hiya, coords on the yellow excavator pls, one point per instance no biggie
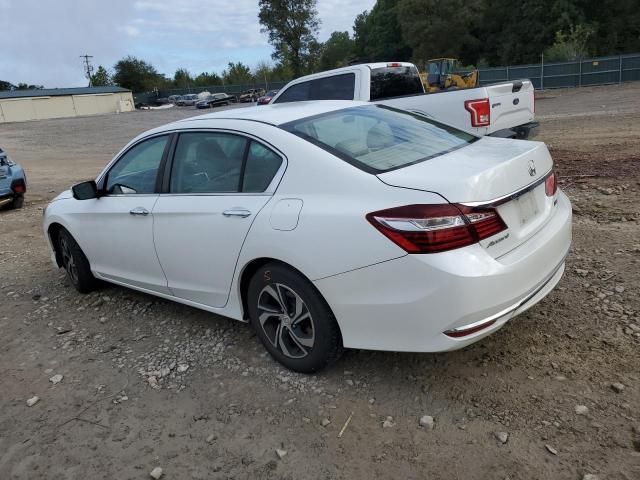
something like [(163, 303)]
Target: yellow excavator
[(442, 74)]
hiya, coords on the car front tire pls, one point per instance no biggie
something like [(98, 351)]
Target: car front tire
[(292, 320), (75, 263)]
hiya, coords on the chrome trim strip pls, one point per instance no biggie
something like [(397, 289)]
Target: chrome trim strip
[(510, 196), (513, 307)]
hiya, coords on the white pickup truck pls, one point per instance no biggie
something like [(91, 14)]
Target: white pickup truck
[(504, 109)]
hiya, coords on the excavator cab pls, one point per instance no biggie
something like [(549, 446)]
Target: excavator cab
[(441, 75)]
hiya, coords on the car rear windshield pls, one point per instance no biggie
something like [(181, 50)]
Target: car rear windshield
[(378, 138), (387, 82)]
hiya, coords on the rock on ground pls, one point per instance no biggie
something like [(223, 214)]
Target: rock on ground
[(156, 473)]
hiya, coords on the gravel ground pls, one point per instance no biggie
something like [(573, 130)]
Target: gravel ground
[(126, 383)]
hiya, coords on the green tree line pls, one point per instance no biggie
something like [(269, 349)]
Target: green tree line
[(478, 32)]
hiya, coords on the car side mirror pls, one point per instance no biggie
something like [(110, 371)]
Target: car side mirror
[(85, 190)]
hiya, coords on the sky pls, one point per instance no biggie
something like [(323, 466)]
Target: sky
[(42, 40)]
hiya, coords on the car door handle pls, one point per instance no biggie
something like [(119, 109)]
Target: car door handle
[(237, 212), (139, 211)]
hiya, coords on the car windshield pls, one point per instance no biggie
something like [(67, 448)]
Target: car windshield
[(379, 138)]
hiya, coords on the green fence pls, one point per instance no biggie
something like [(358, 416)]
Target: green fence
[(579, 73)]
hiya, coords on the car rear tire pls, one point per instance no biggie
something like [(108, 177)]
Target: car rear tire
[(18, 202), (292, 320), (75, 263)]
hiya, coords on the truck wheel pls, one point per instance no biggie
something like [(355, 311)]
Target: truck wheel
[(18, 202), (292, 320), (75, 263)]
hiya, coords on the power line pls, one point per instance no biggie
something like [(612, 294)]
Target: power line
[(88, 68)]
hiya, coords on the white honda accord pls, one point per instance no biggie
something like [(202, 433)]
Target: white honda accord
[(326, 225)]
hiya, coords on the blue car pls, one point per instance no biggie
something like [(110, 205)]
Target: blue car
[(13, 182)]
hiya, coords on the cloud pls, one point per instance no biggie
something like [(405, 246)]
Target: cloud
[(42, 40)]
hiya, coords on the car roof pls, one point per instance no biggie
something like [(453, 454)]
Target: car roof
[(276, 114)]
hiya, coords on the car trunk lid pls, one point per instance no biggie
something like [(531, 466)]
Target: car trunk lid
[(504, 174)]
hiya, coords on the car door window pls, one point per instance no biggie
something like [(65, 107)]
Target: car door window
[(136, 171), (262, 165), (207, 162)]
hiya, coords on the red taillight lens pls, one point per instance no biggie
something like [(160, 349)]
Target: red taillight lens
[(480, 112), (436, 228), (18, 188), (551, 184), (394, 64)]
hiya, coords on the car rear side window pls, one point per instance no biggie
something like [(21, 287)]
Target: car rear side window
[(378, 138), (262, 165), (207, 162), (335, 87), (388, 82), (215, 162)]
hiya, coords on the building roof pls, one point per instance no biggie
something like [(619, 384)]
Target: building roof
[(56, 92)]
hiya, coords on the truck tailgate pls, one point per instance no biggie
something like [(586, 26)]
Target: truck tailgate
[(512, 104)]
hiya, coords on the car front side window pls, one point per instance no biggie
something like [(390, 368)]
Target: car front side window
[(136, 171)]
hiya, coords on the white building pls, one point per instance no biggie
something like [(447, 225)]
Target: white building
[(23, 105)]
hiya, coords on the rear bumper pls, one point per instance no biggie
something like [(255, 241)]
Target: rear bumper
[(526, 131), (408, 304)]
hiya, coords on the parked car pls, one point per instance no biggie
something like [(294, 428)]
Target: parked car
[(502, 109), (251, 95), (188, 100), (174, 99), (266, 98), (179, 101), (215, 100), (13, 182), (335, 224)]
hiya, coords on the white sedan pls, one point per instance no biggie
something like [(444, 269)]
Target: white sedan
[(325, 225)]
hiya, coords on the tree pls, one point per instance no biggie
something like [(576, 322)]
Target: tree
[(237, 74), (378, 36), (263, 74), (207, 79), (138, 75), (25, 86), (570, 45), (292, 26), (6, 86), (439, 29), (337, 51), (182, 78), (101, 78)]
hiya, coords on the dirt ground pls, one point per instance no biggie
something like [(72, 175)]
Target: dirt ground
[(147, 383)]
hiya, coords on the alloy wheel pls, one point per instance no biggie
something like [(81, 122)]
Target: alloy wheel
[(68, 260), (286, 320)]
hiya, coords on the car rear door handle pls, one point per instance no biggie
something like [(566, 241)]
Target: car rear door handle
[(139, 211), (237, 212)]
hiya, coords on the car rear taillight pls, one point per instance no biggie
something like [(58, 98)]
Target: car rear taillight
[(394, 64), (436, 228), (18, 187), (480, 112), (551, 184)]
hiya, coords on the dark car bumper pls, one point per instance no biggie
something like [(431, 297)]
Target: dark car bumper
[(521, 132)]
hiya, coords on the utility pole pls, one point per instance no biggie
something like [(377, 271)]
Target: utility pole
[(88, 68)]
